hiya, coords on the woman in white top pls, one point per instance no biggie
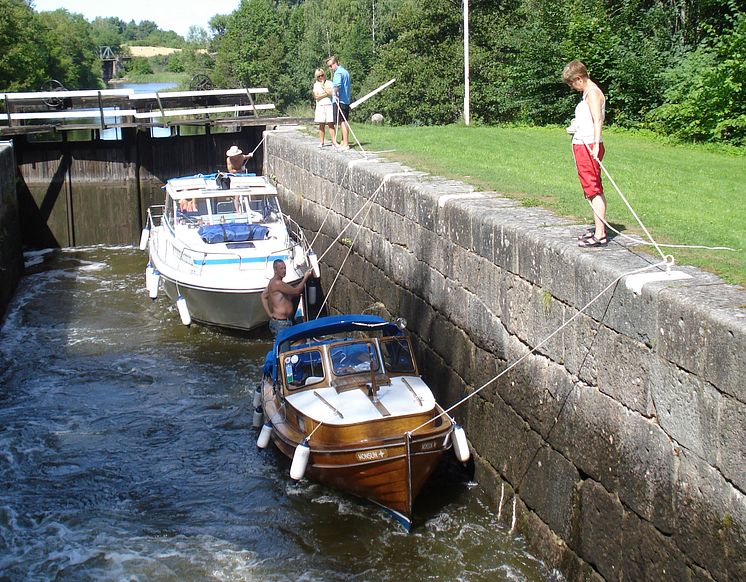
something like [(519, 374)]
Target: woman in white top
[(588, 147), (322, 91)]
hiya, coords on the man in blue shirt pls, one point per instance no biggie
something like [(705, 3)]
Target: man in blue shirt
[(341, 101)]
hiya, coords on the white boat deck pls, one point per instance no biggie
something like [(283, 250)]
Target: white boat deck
[(355, 406)]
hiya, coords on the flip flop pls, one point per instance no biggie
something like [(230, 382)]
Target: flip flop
[(593, 242)]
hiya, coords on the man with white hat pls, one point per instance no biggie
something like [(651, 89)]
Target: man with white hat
[(236, 160)]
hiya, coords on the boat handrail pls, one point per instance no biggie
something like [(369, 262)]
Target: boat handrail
[(296, 231)]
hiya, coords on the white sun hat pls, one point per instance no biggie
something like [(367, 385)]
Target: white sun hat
[(233, 151)]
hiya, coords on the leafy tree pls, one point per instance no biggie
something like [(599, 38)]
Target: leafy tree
[(74, 58), (706, 95), (23, 50)]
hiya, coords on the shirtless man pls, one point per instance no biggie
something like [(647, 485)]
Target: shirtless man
[(277, 297), (235, 160)]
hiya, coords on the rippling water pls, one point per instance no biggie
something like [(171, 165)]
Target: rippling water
[(127, 453)]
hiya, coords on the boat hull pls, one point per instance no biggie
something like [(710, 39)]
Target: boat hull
[(376, 461), (240, 310)]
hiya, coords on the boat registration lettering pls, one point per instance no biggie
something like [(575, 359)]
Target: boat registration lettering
[(428, 446), (371, 455)]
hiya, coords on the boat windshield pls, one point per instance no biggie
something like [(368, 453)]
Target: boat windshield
[(353, 358), (397, 355), (303, 369)]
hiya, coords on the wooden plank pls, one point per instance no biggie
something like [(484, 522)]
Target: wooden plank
[(71, 114), (201, 110), (211, 92), (41, 95)]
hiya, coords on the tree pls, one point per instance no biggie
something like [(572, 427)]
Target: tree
[(706, 95), (74, 58), (23, 51)]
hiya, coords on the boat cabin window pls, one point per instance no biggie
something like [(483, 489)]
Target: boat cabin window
[(353, 358), (303, 369), (397, 355)]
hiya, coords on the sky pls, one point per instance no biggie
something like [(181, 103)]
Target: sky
[(176, 15)]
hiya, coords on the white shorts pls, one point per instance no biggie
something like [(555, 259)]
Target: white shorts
[(324, 113)]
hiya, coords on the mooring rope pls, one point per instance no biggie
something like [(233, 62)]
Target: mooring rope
[(652, 242), (666, 263)]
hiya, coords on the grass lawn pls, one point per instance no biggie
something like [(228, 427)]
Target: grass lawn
[(683, 194)]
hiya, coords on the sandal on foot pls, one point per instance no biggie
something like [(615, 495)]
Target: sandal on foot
[(593, 242), (587, 234)]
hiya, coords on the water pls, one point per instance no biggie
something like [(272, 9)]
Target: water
[(127, 453)]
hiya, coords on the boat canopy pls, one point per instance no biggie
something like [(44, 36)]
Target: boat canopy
[(205, 186), (333, 324), (325, 326)]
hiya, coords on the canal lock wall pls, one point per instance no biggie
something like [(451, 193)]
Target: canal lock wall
[(11, 258), (618, 447)]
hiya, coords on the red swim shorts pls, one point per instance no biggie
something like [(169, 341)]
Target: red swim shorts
[(589, 171)]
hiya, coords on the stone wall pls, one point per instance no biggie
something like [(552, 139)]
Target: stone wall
[(11, 258), (620, 440)]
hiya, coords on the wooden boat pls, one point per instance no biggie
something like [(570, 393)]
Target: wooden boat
[(343, 398), (212, 245)]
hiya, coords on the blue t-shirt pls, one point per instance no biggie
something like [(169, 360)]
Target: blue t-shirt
[(341, 79)]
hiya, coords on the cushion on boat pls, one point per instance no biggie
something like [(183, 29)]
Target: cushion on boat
[(239, 232)]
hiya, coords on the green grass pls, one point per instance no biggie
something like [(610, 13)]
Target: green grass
[(683, 194)]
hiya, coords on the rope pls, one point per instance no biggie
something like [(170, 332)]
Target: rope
[(667, 262), (318, 426), (349, 250), (349, 128), (637, 240), (257, 145)]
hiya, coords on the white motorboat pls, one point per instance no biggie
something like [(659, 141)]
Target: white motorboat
[(212, 245)]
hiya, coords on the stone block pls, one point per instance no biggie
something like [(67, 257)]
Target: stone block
[(537, 389), (686, 408), (649, 555), (622, 450), (703, 329), (548, 488), (599, 530), (731, 441), (485, 329), (624, 370), (493, 430), (711, 520)]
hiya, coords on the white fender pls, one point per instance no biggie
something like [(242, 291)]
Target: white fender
[(148, 276), (300, 460), (155, 279), (312, 295), (314, 264), (460, 446), (144, 238), (258, 396), (258, 417), (181, 305), (298, 257), (264, 435)]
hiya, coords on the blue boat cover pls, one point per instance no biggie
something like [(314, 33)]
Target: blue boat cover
[(325, 326), (234, 232)]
